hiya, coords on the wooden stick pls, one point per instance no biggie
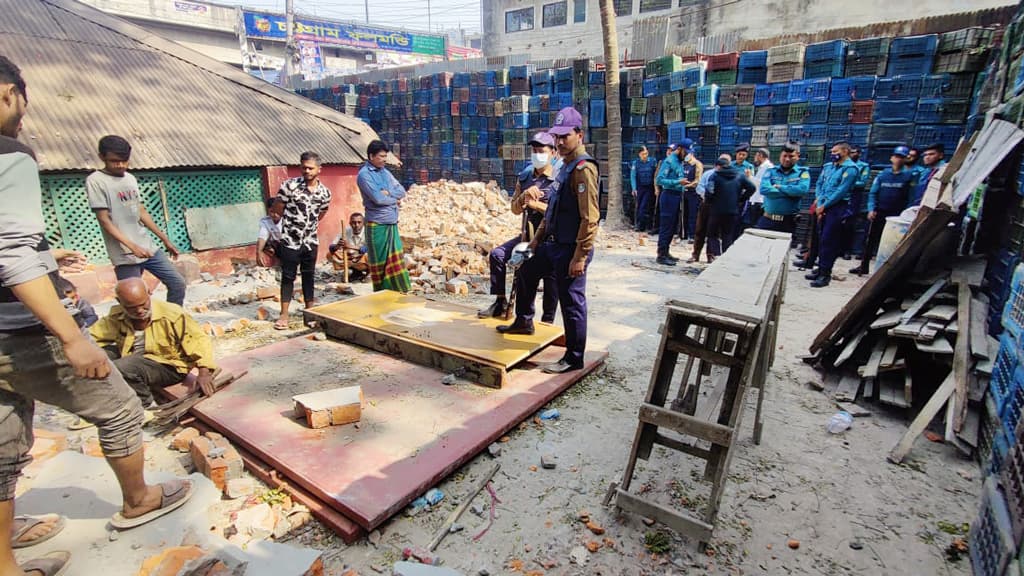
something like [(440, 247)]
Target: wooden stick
[(961, 355), (467, 499), (923, 299), (935, 403)]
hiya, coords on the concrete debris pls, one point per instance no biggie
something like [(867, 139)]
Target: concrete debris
[(448, 229), (413, 569), (239, 488)]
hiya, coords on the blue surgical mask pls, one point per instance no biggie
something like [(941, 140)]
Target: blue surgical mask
[(834, 157)]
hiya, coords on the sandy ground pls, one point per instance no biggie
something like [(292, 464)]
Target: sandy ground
[(850, 510)]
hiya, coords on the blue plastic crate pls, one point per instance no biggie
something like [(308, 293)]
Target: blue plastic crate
[(1013, 310), (753, 59), (707, 154), (763, 94), (727, 115), (974, 124), (899, 87), (677, 80), (695, 76), (798, 91), (903, 110), (817, 113), (946, 134), (809, 134), (941, 111), (878, 156), (909, 65), (563, 74), (650, 87), (733, 135), (637, 120), (676, 132), (709, 115), (830, 50), (693, 133), (707, 95), (752, 76), (1010, 413), (541, 89), (519, 72), (892, 134), (1004, 371), (924, 45), (841, 90), (780, 93), (780, 114), (825, 69), (597, 114)]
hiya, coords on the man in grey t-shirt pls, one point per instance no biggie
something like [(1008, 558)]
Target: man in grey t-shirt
[(114, 198)]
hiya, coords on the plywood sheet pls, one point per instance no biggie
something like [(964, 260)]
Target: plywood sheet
[(223, 226)]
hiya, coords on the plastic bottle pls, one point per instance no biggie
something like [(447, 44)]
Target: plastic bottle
[(839, 422)]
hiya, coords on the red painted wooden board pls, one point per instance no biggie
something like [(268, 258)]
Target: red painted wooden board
[(414, 430)]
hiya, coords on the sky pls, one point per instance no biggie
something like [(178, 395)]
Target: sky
[(410, 14)]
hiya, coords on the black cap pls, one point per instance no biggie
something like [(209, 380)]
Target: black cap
[(744, 147), (723, 162)]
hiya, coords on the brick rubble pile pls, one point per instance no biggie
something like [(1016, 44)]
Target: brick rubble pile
[(448, 229)]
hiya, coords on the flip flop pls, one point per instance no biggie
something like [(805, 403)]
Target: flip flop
[(30, 522), (51, 564), (80, 424), (279, 326), (174, 494)]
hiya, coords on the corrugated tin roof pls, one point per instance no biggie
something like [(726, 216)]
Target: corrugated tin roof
[(91, 74)]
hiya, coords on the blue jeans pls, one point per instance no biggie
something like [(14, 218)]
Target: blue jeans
[(158, 265)]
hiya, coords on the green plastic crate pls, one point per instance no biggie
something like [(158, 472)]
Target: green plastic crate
[(692, 116), (721, 77), (664, 66)]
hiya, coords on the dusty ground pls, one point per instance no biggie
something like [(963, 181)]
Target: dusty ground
[(850, 510)]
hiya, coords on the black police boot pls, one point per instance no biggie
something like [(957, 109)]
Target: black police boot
[(823, 280), (516, 327), (495, 310), (813, 275)]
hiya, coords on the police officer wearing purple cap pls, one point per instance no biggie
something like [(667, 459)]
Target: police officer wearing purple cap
[(890, 194), (533, 192), (564, 243)]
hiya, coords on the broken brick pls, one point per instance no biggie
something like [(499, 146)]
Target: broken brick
[(182, 441), (169, 562), (262, 313), (595, 528), (593, 546), (267, 292), (216, 459)]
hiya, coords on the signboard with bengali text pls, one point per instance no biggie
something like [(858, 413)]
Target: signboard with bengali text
[(274, 27)]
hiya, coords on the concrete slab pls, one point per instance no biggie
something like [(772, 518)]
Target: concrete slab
[(84, 489)]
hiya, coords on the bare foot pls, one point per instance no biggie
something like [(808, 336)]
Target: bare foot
[(311, 304)]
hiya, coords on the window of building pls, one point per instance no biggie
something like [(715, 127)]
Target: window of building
[(555, 14), (579, 13), (652, 5), (519, 20), (623, 7), (687, 3)]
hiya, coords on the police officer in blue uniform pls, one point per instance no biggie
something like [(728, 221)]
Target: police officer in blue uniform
[(890, 194), (641, 179), (533, 190), (564, 243), (782, 187), (673, 178), (833, 199), (858, 203)]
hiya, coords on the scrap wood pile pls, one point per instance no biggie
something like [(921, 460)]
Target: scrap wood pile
[(915, 335), (448, 229)]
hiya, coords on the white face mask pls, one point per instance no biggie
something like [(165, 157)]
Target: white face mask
[(539, 160)]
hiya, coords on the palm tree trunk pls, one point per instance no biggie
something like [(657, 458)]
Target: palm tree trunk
[(614, 219)]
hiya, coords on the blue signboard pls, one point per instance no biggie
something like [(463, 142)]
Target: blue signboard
[(274, 27)]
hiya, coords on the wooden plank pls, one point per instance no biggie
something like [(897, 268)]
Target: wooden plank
[(888, 319), (849, 385), (908, 389), (972, 425), (850, 348), (962, 354), (686, 424), (978, 335), (977, 385), (923, 418), (682, 345), (910, 329), (899, 364), (891, 390), (923, 299), (951, 328), (928, 333), (869, 388), (997, 140), (693, 527), (889, 356), (905, 305), (937, 346), (944, 312), (691, 449), (875, 360)]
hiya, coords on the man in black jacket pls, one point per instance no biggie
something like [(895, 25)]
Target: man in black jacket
[(727, 190)]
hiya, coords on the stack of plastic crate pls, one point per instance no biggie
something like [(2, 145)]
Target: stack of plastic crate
[(867, 57), (964, 50), (722, 68), (753, 67), (825, 59), (785, 63), (912, 54)]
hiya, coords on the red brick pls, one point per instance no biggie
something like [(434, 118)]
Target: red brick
[(182, 441)]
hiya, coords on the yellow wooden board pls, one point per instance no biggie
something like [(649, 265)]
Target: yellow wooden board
[(443, 326)]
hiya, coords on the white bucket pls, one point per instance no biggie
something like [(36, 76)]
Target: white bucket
[(895, 229)]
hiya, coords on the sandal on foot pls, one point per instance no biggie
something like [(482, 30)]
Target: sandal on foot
[(173, 495), (80, 424), (30, 522), (52, 564), (280, 326)]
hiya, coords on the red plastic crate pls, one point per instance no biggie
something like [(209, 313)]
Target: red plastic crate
[(861, 112), (726, 61)]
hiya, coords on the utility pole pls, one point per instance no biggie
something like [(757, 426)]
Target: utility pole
[(289, 45), (366, 4), (428, 17)]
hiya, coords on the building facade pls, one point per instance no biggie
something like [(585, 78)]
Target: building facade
[(551, 29)]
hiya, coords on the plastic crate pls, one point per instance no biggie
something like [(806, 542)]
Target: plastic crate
[(763, 95), (780, 114), (825, 69), (695, 74), (1012, 476), (753, 59), (946, 134), (597, 114), (721, 77), (878, 157), (909, 65), (595, 78), (973, 61), (892, 134), (733, 135), (991, 534), (862, 112), (664, 65), (736, 95), (941, 111), (830, 50), (744, 115), (637, 121), (948, 86), (869, 47), (799, 91), (762, 115), (973, 38), (709, 115), (689, 98), (638, 106), (677, 80), (1010, 413), (899, 87), (759, 135), (812, 155), (785, 72), (727, 115), (752, 76), (708, 135), (692, 116), (1004, 371), (676, 132), (903, 110), (787, 53), (797, 113), (857, 66), (809, 134), (778, 135), (724, 61), (651, 87), (924, 45), (817, 112), (840, 112), (707, 95)]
